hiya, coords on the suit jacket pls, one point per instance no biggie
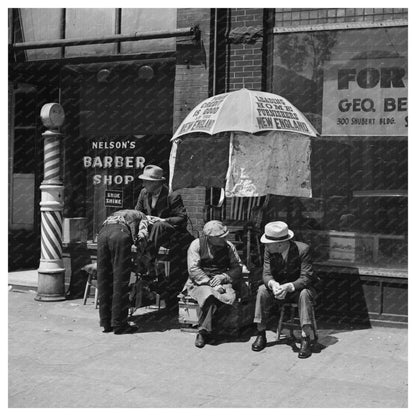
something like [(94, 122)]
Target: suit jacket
[(297, 269), (168, 206)]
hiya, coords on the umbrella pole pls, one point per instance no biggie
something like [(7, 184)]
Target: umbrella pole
[(229, 170), (211, 203), (172, 161)]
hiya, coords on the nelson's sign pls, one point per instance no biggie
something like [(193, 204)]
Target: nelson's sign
[(113, 163)]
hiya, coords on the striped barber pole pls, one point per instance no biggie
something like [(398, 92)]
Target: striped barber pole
[(51, 206), (51, 272), (51, 159), (51, 235)]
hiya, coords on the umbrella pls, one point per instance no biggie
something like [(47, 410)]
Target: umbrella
[(275, 160), (245, 110)]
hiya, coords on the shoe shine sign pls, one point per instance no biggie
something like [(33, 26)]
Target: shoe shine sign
[(113, 199), (109, 161)]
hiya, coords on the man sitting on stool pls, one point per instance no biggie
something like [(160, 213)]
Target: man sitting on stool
[(287, 276), (213, 265), (167, 226)]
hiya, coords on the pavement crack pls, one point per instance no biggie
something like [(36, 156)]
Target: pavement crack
[(130, 389)]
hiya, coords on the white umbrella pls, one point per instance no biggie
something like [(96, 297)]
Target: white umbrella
[(245, 110), (275, 161)]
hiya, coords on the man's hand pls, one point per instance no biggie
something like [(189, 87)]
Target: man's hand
[(152, 219), (141, 244), (219, 289), (274, 287), (283, 290), (215, 281)]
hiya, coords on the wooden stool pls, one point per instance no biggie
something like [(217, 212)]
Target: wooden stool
[(91, 269), (91, 282), (164, 259), (291, 323)]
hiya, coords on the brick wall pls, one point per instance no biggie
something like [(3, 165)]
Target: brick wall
[(191, 87), (192, 67), (245, 59), (194, 201)]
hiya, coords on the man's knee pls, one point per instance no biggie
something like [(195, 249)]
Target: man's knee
[(210, 304), (263, 292), (162, 226), (210, 300), (306, 295)]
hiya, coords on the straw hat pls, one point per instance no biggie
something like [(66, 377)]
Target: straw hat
[(276, 232)]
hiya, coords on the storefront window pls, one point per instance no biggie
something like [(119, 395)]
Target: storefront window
[(352, 85), (78, 25), (112, 165), (41, 24), (148, 20), (115, 125)]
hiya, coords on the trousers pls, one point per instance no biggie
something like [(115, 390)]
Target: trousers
[(265, 300), (160, 235), (207, 313), (177, 241), (113, 274)]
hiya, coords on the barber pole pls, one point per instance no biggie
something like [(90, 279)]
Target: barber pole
[(51, 272)]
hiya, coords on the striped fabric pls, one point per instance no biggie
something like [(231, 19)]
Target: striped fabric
[(241, 208)]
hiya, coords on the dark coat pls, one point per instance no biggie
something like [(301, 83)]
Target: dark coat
[(297, 269), (168, 206)]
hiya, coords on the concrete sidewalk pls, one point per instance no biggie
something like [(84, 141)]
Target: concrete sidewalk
[(58, 357)]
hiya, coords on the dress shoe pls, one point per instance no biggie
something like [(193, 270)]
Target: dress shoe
[(260, 342), (108, 329), (305, 348), (125, 329), (316, 347), (201, 340)]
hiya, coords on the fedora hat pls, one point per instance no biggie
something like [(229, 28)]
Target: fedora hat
[(152, 173), (215, 228), (276, 232)]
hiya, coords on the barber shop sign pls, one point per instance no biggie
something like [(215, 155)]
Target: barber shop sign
[(104, 164)]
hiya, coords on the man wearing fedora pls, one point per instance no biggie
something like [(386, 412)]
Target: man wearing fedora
[(167, 223), (288, 277), (213, 266)]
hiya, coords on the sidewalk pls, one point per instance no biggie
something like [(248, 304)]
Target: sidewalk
[(25, 279), (58, 357)]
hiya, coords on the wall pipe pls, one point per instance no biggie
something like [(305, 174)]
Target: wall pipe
[(193, 31)]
